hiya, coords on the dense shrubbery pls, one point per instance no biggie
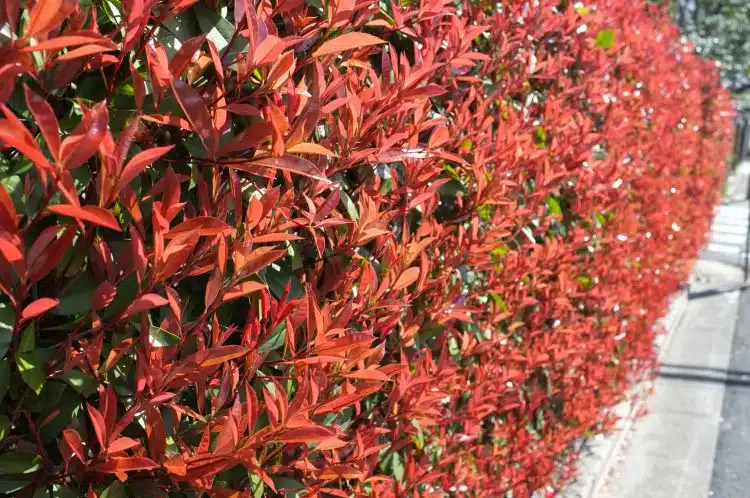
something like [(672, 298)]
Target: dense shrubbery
[(366, 248)]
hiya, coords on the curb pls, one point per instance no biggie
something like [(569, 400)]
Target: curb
[(599, 453)]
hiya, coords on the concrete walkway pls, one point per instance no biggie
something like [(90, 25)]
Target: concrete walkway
[(695, 440)]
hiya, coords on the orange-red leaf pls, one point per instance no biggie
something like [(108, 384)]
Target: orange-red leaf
[(347, 41), (100, 428), (144, 303), (311, 148), (205, 225), (293, 164), (122, 444), (84, 51), (81, 144), (38, 307), (124, 464), (406, 279), (305, 435), (218, 355), (368, 374), (94, 214), (242, 289), (68, 41), (140, 161), (276, 237), (195, 110)]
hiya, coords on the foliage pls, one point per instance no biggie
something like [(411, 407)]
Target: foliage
[(342, 248)]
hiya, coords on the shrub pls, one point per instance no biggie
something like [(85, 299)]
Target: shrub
[(360, 248)]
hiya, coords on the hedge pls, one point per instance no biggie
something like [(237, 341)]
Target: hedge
[(343, 249)]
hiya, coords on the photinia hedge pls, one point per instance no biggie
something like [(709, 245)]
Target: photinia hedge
[(352, 248)]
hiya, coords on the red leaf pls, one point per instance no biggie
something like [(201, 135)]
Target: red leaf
[(218, 355), (440, 135), (46, 14), (259, 259), (38, 307), (176, 465), (158, 66), (124, 464), (122, 444), (422, 92), (80, 145), (347, 41), (406, 279), (276, 237), (242, 289), (337, 403), (73, 440), (94, 214), (168, 120), (144, 303), (10, 252), (104, 295), (305, 434), (205, 225), (46, 120), (213, 286), (97, 421), (7, 212), (292, 163), (181, 60), (328, 206), (368, 374), (69, 40), (311, 148), (249, 138), (195, 110), (83, 52), (14, 134), (140, 161)]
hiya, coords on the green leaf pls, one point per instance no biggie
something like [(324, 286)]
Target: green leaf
[(275, 340), (553, 205), (84, 384), (398, 467), (18, 463), (7, 322), (28, 339), (114, 490), (351, 208), (68, 405), (56, 491), (257, 486), (605, 39), (4, 377), (485, 212), (15, 482), (126, 292), (4, 426), (219, 30), (584, 280), (78, 298), (30, 366), (159, 338), (293, 487), (499, 302), (540, 137), (147, 487), (277, 277)]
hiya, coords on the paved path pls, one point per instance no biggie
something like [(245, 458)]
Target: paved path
[(695, 440)]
